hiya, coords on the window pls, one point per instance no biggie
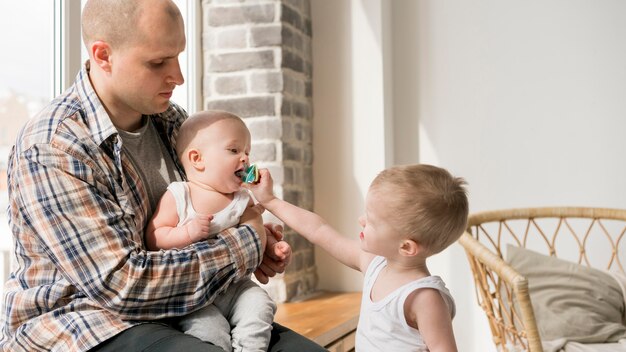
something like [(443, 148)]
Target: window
[(26, 76), (41, 55)]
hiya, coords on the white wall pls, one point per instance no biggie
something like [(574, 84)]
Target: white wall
[(524, 99), (349, 125)]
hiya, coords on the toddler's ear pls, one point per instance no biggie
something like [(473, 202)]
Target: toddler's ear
[(410, 248)]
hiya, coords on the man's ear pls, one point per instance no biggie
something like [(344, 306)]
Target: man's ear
[(410, 248), (195, 158), (101, 53)]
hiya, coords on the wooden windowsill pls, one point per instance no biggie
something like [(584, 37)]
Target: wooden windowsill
[(325, 319)]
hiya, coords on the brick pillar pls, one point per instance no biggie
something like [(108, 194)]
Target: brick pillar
[(257, 64)]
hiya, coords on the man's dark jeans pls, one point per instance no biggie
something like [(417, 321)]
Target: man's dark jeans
[(155, 337)]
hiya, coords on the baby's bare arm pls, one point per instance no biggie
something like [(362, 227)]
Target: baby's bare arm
[(162, 231)]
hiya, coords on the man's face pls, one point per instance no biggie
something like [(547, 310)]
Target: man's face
[(145, 71)]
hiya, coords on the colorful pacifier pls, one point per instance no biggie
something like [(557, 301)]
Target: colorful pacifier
[(250, 174)]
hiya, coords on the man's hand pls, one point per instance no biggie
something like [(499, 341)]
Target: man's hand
[(277, 254)]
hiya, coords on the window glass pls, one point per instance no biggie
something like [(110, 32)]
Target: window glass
[(26, 74), (26, 29)]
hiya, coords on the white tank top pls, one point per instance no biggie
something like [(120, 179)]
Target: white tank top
[(225, 218), (382, 325)]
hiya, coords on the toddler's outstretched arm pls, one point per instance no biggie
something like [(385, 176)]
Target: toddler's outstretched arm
[(310, 225)]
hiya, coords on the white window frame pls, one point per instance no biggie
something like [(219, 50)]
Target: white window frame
[(193, 31), (67, 44)]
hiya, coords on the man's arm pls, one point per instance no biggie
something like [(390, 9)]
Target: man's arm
[(71, 208)]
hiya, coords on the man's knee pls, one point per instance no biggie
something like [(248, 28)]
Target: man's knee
[(154, 337), (284, 339)]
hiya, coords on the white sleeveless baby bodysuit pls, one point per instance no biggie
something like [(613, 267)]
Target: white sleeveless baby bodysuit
[(225, 218)]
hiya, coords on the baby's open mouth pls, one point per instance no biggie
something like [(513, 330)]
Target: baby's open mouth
[(249, 174)]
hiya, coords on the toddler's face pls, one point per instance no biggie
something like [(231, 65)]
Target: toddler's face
[(224, 147), (378, 235)]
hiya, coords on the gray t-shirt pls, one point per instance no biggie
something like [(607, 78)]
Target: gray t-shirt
[(149, 156)]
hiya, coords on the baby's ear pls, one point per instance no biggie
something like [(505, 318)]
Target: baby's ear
[(195, 158), (410, 248)]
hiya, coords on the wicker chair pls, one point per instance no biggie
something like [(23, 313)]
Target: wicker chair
[(590, 236)]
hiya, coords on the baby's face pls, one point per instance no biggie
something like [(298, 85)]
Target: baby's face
[(224, 147)]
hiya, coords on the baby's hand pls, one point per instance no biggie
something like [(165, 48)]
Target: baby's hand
[(263, 189), (276, 256), (281, 250), (198, 227)]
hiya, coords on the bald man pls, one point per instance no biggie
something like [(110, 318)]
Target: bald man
[(85, 176)]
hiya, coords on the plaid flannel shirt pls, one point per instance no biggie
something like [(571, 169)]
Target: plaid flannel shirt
[(80, 270)]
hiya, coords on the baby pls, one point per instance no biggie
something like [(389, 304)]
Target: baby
[(411, 213), (213, 147)]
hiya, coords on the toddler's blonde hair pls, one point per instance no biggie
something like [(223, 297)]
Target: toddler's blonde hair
[(427, 204)]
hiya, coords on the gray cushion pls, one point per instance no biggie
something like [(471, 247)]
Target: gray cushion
[(570, 300)]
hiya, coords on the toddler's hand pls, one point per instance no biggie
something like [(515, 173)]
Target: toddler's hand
[(263, 189), (198, 227)]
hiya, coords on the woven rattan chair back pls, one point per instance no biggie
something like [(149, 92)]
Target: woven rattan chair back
[(589, 236)]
